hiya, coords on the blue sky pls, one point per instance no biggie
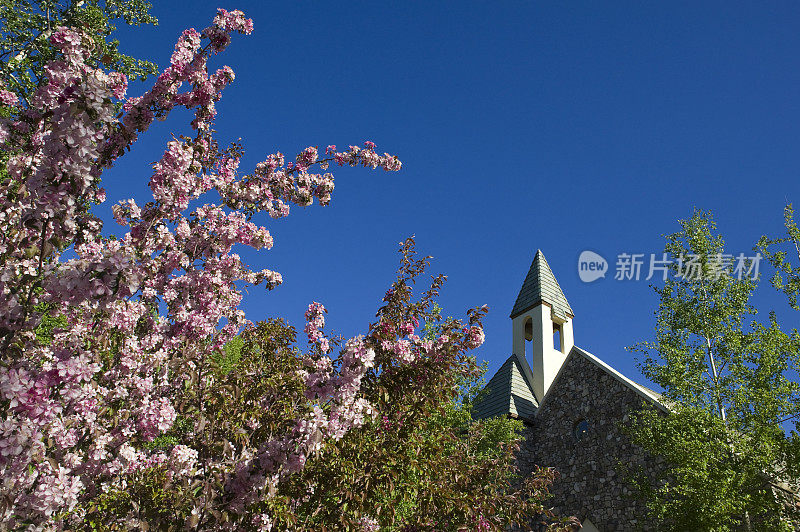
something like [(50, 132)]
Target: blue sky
[(521, 125)]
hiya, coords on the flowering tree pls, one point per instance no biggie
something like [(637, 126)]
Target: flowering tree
[(143, 313), (121, 416), (27, 26)]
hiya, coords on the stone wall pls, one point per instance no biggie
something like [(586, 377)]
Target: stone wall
[(590, 483)]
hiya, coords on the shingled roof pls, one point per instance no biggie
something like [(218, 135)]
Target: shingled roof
[(540, 286), (510, 392)]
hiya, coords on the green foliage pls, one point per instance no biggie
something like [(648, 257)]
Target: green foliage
[(229, 357), (151, 496), (431, 328), (27, 25), (177, 433), (778, 250), (717, 478), (731, 383), (50, 323), (428, 474), (493, 433)]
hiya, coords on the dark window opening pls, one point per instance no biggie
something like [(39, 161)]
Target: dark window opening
[(528, 337), (557, 337), (581, 430)]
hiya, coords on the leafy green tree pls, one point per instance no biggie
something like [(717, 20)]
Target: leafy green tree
[(731, 383), (27, 25), (780, 253)]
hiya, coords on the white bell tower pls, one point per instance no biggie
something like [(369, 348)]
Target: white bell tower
[(543, 317)]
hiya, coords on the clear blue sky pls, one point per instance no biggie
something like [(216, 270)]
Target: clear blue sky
[(521, 125)]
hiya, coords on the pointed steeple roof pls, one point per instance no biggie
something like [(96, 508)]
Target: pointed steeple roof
[(540, 286)]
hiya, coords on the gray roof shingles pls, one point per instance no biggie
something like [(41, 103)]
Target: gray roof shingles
[(509, 392), (540, 286)]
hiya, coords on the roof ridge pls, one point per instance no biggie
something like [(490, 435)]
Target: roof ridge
[(646, 393)]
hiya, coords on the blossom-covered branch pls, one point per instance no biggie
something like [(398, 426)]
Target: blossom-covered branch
[(145, 313)]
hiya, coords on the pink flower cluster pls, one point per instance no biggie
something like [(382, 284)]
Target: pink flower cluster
[(225, 23), (475, 337), (262, 522), (315, 321), (182, 461), (368, 524), (367, 157), (409, 349), (7, 97), (155, 417)]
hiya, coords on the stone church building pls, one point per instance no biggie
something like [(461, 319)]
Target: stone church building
[(572, 404)]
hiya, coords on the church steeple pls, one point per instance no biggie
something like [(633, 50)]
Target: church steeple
[(540, 285), (540, 312)]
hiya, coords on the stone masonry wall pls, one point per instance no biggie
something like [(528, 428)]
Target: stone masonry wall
[(590, 484)]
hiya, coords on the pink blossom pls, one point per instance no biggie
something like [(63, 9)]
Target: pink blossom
[(403, 350), (155, 418), (368, 524), (182, 461), (475, 337), (7, 97)]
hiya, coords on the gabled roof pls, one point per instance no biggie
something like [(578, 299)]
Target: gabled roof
[(510, 391), (540, 286), (511, 388), (643, 391)]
